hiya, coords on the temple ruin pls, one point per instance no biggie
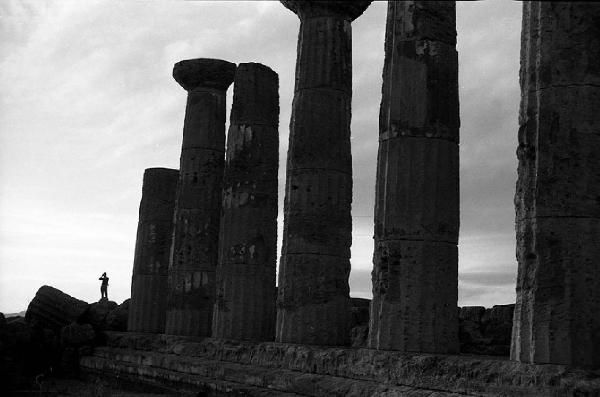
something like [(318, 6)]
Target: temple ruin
[(221, 335), (314, 297), (557, 315), (147, 310), (194, 253), (245, 300), (415, 263)]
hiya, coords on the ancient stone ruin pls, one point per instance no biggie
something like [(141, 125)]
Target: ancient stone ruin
[(245, 300), (415, 263), (147, 311), (213, 322), (557, 315), (313, 304), (191, 292)]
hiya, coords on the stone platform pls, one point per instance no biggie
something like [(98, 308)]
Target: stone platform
[(216, 367)]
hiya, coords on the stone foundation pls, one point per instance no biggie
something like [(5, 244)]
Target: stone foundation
[(271, 368)]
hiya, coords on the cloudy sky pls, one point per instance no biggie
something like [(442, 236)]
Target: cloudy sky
[(87, 102)]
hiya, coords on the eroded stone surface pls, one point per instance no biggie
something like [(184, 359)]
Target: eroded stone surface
[(118, 318), (76, 335), (557, 212), (52, 308), (147, 311), (486, 331), (313, 297), (245, 301), (417, 199), (320, 371), (192, 266), (97, 313)]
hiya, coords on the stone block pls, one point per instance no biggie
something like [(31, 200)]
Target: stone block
[(77, 335), (414, 297), (52, 308)]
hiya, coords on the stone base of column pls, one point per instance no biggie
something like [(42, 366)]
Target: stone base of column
[(314, 304), (188, 322), (558, 295), (148, 314), (245, 303), (415, 295), (190, 302)]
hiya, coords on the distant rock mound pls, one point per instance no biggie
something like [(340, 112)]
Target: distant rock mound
[(359, 327), (52, 308), (486, 331)]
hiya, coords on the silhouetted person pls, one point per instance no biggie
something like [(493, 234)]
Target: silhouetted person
[(104, 286)]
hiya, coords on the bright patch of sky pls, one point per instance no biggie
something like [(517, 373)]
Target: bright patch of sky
[(87, 103)]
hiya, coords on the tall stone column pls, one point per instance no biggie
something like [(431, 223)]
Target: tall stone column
[(197, 213), (557, 315), (245, 302), (313, 296), (147, 309), (415, 261)]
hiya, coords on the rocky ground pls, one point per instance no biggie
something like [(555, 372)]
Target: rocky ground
[(40, 352), (48, 342)]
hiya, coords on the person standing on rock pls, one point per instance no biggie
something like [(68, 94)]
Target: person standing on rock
[(104, 286)]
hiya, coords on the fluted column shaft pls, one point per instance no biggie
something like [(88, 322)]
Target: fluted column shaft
[(313, 295), (415, 272), (245, 301), (147, 309), (197, 213), (558, 189)]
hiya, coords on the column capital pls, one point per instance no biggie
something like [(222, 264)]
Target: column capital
[(349, 9), (204, 72)]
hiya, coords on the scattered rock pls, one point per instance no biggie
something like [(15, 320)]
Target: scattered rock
[(116, 320), (471, 313), (486, 331), (76, 335), (69, 361), (359, 328), (97, 313), (360, 311), (25, 350), (52, 308)]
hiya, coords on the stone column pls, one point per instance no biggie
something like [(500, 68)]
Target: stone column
[(197, 212), (415, 261), (245, 303), (313, 296), (558, 190), (148, 305)]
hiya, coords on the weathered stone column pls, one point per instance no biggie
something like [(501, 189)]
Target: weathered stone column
[(558, 190), (415, 261), (147, 309), (245, 303), (313, 296), (197, 212)]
